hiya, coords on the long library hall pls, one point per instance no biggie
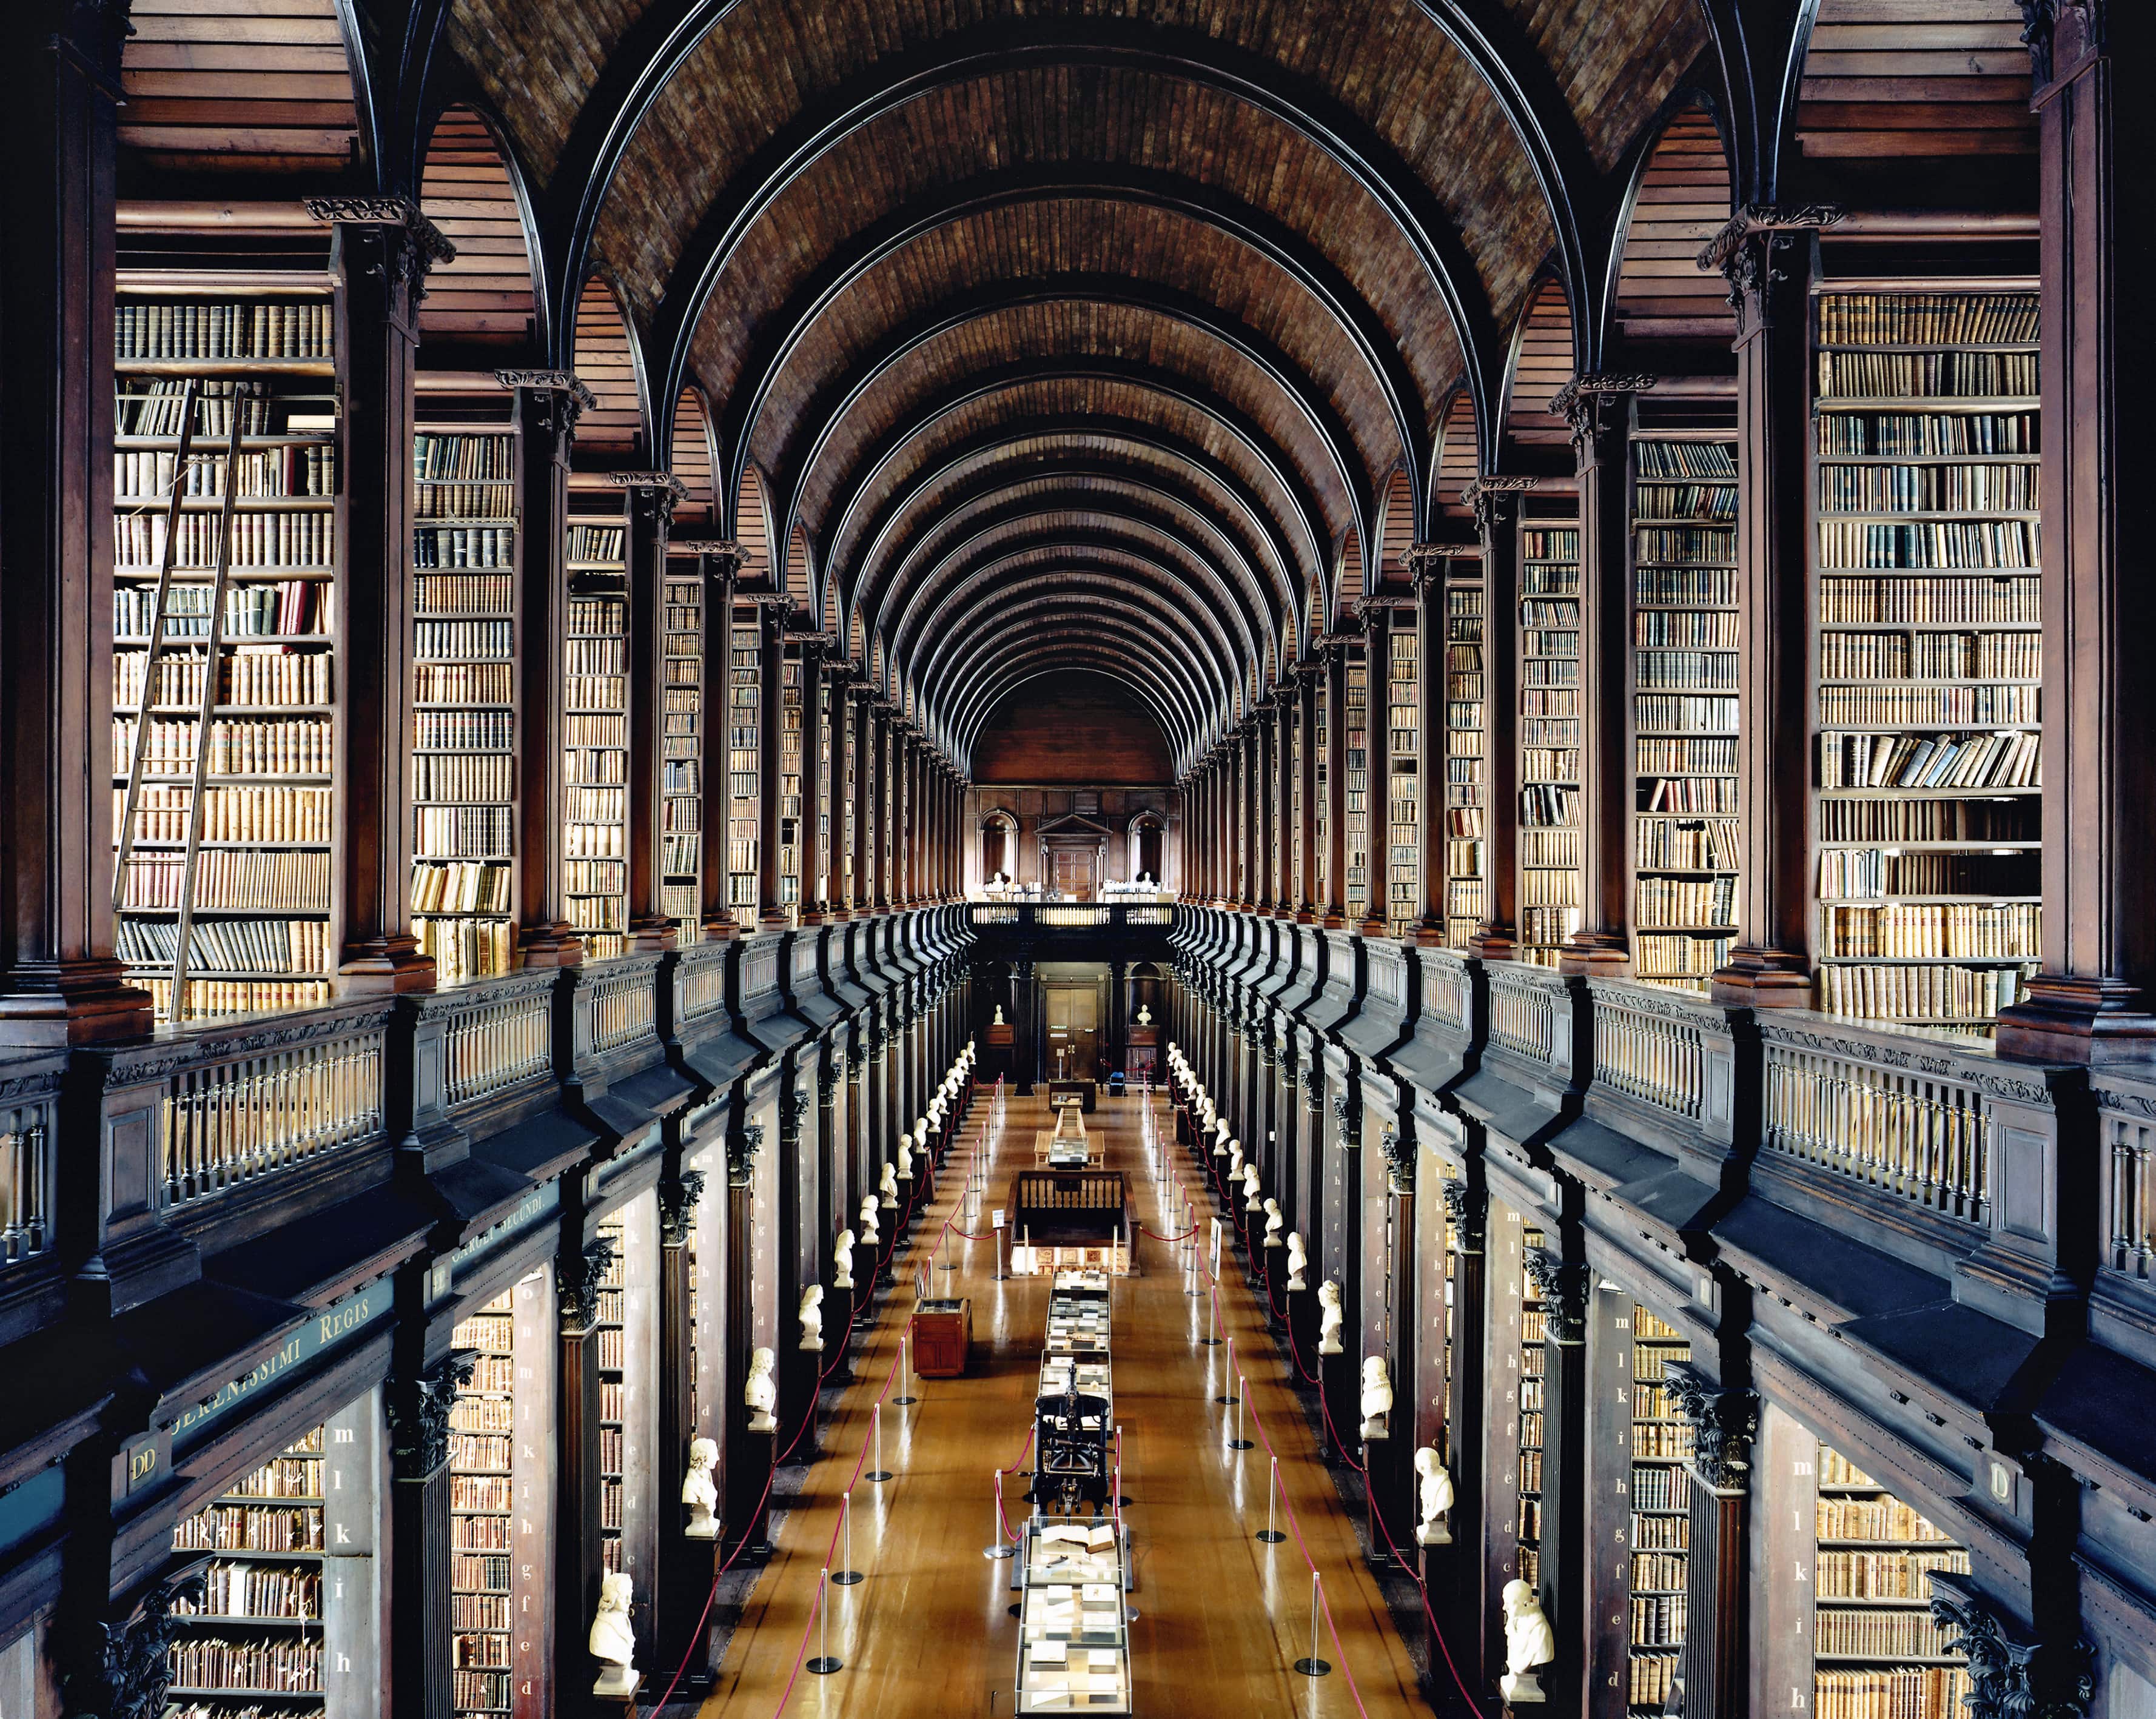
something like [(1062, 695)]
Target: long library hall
[(1144, 857)]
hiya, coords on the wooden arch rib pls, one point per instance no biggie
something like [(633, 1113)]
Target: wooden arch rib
[(611, 432), (872, 532), (485, 296)]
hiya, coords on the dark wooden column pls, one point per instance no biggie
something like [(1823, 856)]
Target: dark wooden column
[(578, 1551), (1247, 776), (1426, 563), (1599, 408), (2091, 1002), (838, 706), (1376, 617), (1306, 695), (652, 495), (860, 897), (1282, 790), (748, 1455), (1208, 823), (1194, 833), (61, 982), (719, 565), (878, 831), (1267, 824), (381, 252), (1460, 1570), (1712, 1668), (416, 1407), (917, 817), (815, 888), (685, 1565), (1025, 1051), (1562, 1286), (1496, 504), (549, 402), (1765, 253), (1335, 785), (771, 728)]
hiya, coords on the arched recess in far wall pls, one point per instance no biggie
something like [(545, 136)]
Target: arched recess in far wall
[(696, 514), (1678, 199), (1541, 363), (1396, 530), (1348, 578), (481, 305), (611, 435), (752, 532), (1458, 458)]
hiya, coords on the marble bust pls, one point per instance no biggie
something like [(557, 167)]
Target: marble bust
[(1376, 1397), (1297, 1260), (1251, 1202), (613, 1641), (811, 1318), (1234, 1161), (871, 1230), (1274, 1221), (1433, 1493), (1329, 1318), (761, 1393), (887, 1187), (905, 1155), (1530, 1643), (699, 1489), (999, 1021), (842, 1261), (1144, 1015)]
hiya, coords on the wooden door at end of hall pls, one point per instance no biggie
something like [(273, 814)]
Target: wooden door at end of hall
[(1075, 873)]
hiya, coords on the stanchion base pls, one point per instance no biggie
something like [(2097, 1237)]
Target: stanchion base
[(1241, 1445), (999, 1552), (1311, 1668), (878, 1474), (824, 1665), (904, 1402), (950, 1266), (846, 1578), (1210, 1343), (1228, 1402), (1272, 1536), (1124, 1503)]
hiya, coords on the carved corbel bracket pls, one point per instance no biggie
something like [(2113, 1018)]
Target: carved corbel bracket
[(1724, 1421), (1562, 1287)]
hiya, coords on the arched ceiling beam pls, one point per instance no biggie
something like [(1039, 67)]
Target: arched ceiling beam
[(1278, 370), (1134, 622), (1279, 245), (867, 470), (1172, 53), (1184, 727), (914, 595), (880, 532), (1046, 656), (1074, 582)]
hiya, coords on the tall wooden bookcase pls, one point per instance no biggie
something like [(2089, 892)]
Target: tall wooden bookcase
[(595, 704), (1403, 806), (1550, 880), (1466, 787)]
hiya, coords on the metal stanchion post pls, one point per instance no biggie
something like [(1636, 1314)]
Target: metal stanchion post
[(824, 1665), (879, 1474), (1270, 1534), (1238, 1442), (996, 1549), (905, 1377), (847, 1576), (1212, 1339), (1313, 1666), (1227, 1399)]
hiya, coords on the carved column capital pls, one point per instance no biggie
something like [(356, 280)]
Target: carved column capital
[(1746, 250), (829, 1074), (1467, 1210), (790, 1115), (2012, 1673), (1492, 499), (577, 1285), (417, 1411), (741, 1148), (1426, 565), (1313, 1085), (678, 1198), (127, 1667), (1562, 1287), (1400, 1159), (1580, 402), (1347, 1115), (1724, 1422)]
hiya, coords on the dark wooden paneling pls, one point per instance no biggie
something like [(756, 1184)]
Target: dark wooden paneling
[(1071, 728), (254, 85)]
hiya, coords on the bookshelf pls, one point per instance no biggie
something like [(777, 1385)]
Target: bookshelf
[(254, 1642), (1356, 798), (613, 1339), (1403, 780), (464, 566), (1661, 1441), (1686, 841), (595, 687), (827, 785), (481, 1428), (1294, 744), (791, 812), (1876, 1652), (1466, 804), (1323, 825), (681, 762), (1532, 1350), (1550, 881), (1928, 644), (227, 533), (744, 687)]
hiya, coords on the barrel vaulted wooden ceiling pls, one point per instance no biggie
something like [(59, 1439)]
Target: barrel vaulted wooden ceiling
[(1139, 335)]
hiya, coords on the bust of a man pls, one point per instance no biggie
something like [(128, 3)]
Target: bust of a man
[(1274, 1222), (1376, 1397), (1251, 1202), (760, 1393), (1145, 1015), (613, 1641), (905, 1155), (811, 1318), (1297, 1260), (887, 1187), (699, 1489), (1529, 1643), (1329, 1318), (1434, 1490), (842, 1261), (871, 1230)]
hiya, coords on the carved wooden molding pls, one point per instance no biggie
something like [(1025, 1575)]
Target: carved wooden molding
[(1574, 402), (1724, 1422), (1562, 1287), (1720, 252), (661, 480), (417, 1411), (2012, 1673), (551, 381)]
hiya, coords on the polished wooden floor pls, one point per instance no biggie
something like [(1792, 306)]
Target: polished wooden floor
[(1222, 1617)]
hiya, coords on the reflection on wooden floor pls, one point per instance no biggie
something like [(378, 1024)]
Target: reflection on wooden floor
[(1221, 1617)]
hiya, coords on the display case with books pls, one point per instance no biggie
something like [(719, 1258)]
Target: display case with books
[(1465, 787), (1550, 891), (227, 535), (1402, 809), (681, 745), (1073, 1652), (595, 705), (464, 569), (1686, 838), (482, 1429), (1927, 762), (1661, 1443), (1877, 1651)]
